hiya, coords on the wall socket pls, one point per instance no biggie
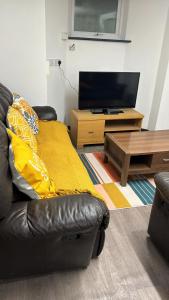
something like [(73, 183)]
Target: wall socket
[(54, 62)]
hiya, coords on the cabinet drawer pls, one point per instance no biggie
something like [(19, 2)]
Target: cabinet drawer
[(91, 131), (160, 158)]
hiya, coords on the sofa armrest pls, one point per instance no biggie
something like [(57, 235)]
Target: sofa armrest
[(162, 184), (45, 113), (54, 217)]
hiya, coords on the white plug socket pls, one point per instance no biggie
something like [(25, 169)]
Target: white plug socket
[(54, 62)]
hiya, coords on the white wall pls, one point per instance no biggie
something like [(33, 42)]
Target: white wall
[(56, 23), (90, 56), (22, 48), (87, 56), (146, 26), (160, 107), (163, 112)]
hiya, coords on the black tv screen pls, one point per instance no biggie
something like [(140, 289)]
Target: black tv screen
[(108, 89)]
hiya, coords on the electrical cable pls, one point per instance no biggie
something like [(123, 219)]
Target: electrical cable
[(66, 79)]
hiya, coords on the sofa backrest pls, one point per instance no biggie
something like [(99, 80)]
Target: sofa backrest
[(6, 186), (6, 99)]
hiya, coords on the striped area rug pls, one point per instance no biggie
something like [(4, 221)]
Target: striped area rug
[(139, 190)]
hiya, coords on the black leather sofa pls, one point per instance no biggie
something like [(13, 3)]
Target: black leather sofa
[(159, 218), (43, 236)]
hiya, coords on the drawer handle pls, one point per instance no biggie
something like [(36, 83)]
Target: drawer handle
[(90, 132), (165, 159)]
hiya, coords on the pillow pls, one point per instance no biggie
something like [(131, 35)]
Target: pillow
[(29, 173), (17, 123), (27, 111)]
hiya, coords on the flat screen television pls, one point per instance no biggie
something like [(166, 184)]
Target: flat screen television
[(108, 90)]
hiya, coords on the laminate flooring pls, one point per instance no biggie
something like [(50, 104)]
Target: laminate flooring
[(129, 267)]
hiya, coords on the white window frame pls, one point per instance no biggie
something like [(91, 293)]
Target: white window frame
[(119, 24)]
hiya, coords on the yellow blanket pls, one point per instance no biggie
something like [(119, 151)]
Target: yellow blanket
[(62, 161)]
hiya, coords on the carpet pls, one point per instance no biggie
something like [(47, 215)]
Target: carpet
[(139, 191)]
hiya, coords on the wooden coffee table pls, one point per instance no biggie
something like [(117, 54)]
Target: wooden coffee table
[(145, 152)]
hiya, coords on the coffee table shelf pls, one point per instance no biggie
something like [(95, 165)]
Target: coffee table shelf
[(137, 168)]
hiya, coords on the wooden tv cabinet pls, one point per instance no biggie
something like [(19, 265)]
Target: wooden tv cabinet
[(88, 128)]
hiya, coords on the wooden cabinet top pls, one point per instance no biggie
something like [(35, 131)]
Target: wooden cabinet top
[(85, 115)]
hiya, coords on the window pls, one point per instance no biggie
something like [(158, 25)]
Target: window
[(97, 18)]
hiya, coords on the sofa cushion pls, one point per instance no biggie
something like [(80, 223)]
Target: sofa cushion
[(6, 99), (28, 170), (27, 112), (62, 161), (20, 127)]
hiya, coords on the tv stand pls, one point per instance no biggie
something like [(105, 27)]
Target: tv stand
[(106, 111), (89, 128)]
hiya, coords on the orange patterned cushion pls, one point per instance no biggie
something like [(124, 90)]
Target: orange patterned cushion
[(27, 111), (20, 127)]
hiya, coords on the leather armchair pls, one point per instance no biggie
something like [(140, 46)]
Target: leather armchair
[(159, 218), (44, 236)]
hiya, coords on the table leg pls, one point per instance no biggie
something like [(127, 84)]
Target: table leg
[(124, 173), (105, 159), (79, 146)]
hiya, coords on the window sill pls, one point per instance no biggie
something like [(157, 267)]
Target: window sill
[(98, 40)]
